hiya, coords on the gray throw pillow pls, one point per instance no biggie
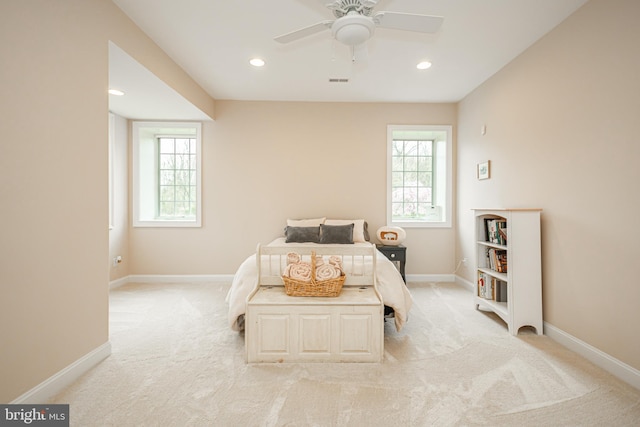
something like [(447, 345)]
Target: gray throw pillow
[(342, 234), (302, 234)]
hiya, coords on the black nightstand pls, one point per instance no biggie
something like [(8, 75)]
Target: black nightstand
[(397, 255)]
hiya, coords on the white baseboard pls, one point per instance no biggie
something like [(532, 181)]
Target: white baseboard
[(430, 277), (466, 283), (41, 393), (118, 282), (180, 278), (228, 278), (599, 358), (172, 278)]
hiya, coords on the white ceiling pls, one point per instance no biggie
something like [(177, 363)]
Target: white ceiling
[(146, 96), (213, 40)]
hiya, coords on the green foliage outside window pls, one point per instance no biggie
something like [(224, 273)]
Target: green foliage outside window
[(177, 195), (411, 179)]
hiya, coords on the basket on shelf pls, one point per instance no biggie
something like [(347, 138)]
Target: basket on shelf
[(314, 288)]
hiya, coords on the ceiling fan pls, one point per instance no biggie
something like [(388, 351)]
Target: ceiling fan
[(356, 21)]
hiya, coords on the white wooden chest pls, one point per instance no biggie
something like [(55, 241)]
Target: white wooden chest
[(346, 328)]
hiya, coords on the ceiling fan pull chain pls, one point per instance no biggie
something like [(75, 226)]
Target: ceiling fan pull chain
[(333, 50)]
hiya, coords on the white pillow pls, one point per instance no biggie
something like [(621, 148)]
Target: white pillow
[(314, 222), (358, 227)]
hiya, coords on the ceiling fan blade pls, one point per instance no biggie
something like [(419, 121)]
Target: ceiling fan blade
[(331, 4), (408, 21), (304, 32)]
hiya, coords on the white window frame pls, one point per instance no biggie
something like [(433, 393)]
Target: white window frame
[(442, 178), (112, 136), (145, 172)]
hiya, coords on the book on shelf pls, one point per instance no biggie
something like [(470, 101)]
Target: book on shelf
[(503, 233), (490, 259), (501, 260), (496, 230), (500, 287), (497, 260), (487, 233), (485, 286), (491, 288)]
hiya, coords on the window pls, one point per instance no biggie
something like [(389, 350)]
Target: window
[(177, 178), (166, 174), (419, 176)]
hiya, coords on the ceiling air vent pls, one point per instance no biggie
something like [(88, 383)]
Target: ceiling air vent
[(334, 80)]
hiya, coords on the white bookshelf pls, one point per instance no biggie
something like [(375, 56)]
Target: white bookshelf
[(520, 302)]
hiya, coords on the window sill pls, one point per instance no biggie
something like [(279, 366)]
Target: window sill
[(421, 224), (167, 223)]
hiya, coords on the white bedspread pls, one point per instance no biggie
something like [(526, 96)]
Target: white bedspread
[(389, 281)]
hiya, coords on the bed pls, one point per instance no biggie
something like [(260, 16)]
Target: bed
[(394, 293)]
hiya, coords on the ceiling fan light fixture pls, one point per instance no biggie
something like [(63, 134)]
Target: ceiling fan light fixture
[(353, 29), (423, 65)]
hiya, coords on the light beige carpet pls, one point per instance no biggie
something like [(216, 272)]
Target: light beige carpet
[(175, 362)]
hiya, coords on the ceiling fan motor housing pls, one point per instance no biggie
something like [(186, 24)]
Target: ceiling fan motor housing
[(353, 29), (343, 7)]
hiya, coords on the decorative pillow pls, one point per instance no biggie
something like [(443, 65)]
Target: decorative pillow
[(305, 222), (360, 228), (342, 234), (302, 234)]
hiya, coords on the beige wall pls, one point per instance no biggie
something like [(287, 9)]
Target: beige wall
[(562, 135), (119, 230), (54, 254), (264, 162)]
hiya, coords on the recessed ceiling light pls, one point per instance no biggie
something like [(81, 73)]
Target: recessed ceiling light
[(256, 62), (116, 92), (423, 65)]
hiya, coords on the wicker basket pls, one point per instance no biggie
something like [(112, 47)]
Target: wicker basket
[(322, 288)]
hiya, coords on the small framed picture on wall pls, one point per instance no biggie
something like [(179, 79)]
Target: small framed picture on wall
[(484, 170)]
